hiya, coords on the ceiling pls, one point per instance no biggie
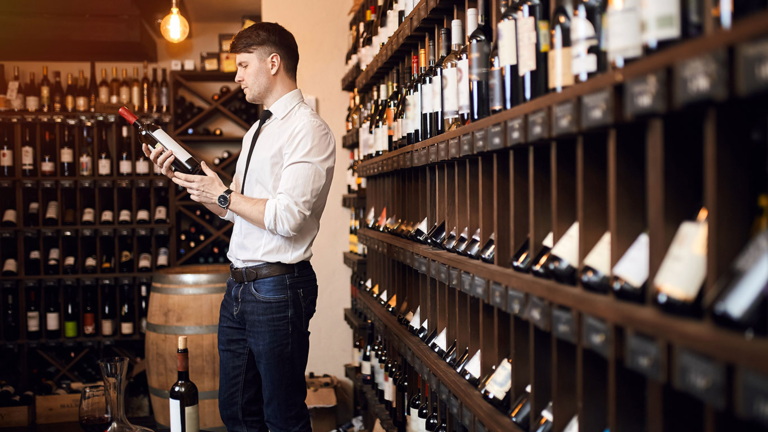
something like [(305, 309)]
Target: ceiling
[(220, 11)]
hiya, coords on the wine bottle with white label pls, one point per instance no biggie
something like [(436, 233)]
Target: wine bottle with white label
[(679, 281), (596, 269), (107, 202), (125, 164), (154, 136), (48, 155), (52, 310), (142, 202), (32, 249), (69, 251), (105, 158), (161, 202), (88, 245), (496, 389), (52, 251), (125, 250), (10, 254), (107, 246), (6, 153), (144, 250), (163, 253), (564, 257), (86, 150), (183, 395), (630, 274), (28, 153), (89, 308), (67, 153), (107, 307), (124, 202), (33, 310), (127, 308)]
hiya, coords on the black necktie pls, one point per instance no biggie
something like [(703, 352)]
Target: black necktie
[(265, 115)]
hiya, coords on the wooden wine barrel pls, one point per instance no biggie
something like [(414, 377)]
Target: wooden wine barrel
[(185, 301)]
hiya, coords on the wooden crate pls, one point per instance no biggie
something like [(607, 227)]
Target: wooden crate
[(57, 408), (15, 416)]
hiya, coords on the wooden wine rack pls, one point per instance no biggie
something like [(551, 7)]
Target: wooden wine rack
[(614, 157)]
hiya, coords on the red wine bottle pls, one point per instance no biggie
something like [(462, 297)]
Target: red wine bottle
[(183, 395), (154, 136)]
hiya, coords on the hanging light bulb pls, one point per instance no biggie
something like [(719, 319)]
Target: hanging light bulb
[(174, 27)]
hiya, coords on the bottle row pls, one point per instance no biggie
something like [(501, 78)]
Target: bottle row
[(72, 308), (462, 77), (81, 94), (87, 251), (85, 202), (11, 397), (185, 110), (355, 246), (49, 148)]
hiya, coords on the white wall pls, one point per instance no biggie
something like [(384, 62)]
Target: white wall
[(320, 29)]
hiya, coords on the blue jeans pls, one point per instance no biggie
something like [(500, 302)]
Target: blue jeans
[(263, 349)]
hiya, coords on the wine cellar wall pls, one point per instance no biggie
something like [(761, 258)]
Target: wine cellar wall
[(591, 256)]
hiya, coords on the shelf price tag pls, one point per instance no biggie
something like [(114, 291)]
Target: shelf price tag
[(752, 395), (644, 355), (538, 313), (496, 136), (433, 269), (454, 148), (499, 296), (538, 125), (481, 143), (433, 153), (596, 335), (466, 145), (752, 67), (564, 325), (701, 78), (415, 158), (445, 394), (466, 282), (515, 131), (407, 160), (564, 118), (701, 377), (479, 288), (455, 408), (442, 274), (646, 94), (516, 302), (597, 109), (466, 417), (442, 151), (455, 278), (479, 426)]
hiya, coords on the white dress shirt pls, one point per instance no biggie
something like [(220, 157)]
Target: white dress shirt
[(292, 167)]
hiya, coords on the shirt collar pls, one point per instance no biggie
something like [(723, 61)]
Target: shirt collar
[(282, 106)]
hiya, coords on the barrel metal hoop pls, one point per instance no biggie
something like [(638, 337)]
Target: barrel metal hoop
[(213, 289), (191, 278), (201, 395), (182, 330)]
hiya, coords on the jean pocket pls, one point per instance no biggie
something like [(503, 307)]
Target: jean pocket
[(273, 289), (308, 305)]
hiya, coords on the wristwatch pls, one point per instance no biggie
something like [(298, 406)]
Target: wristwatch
[(223, 199)]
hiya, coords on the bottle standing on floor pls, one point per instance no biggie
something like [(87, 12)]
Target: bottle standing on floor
[(183, 397)]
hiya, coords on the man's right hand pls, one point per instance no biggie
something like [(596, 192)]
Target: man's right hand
[(160, 158)]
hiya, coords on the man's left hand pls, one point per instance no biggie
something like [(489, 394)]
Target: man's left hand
[(204, 189)]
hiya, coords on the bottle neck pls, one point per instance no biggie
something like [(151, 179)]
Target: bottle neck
[(183, 365)]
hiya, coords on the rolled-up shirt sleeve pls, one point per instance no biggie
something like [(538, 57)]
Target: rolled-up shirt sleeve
[(308, 162)]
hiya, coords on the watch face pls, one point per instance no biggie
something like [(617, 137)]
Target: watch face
[(223, 201)]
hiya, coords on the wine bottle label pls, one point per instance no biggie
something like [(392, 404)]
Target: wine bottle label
[(365, 368), (496, 89), (125, 256), (142, 167), (473, 367), (107, 216), (684, 267), (52, 210), (53, 256), (161, 213), (105, 167), (355, 357), (52, 321), (599, 258), (462, 79), (142, 215), (88, 215), (661, 20), (69, 261), (143, 290), (567, 248), (33, 321), (6, 158), (501, 380), (145, 260), (35, 254), (90, 261), (480, 57), (125, 95), (191, 417), (126, 328), (125, 216), (748, 288), (526, 49), (143, 324), (106, 327), (69, 102), (623, 33), (81, 103), (162, 256), (27, 157), (67, 155), (10, 266), (125, 167), (410, 113), (113, 99), (34, 207), (70, 329), (9, 215), (426, 98), (560, 72), (573, 425), (548, 240), (89, 323), (86, 165), (45, 95), (33, 103), (507, 33), (104, 94), (48, 167), (170, 144), (633, 265), (450, 93), (415, 322), (583, 37)]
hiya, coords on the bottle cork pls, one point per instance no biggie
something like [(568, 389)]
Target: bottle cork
[(182, 342)]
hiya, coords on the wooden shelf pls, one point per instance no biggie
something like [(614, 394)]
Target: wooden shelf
[(350, 78), (355, 323), (351, 139), (353, 200), (356, 262)]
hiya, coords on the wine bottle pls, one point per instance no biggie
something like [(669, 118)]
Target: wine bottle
[(365, 367), (587, 57), (89, 309), (125, 250), (145, 92), (52, 310), (545, 420), (488, 251), (533, 45), (86, 158), (624, 21), (413, 409), (57, 93), (154, 93), (463, 242), (10, 311), (32, 246), (560, 68), (70, 95), (479, 51), (107, 201), (423, 411), (107, 307), (93, 89), (104, 87), (520, 414), (127, 312), (496, 390), (163, 253), (28, 154), (596, 269), (564, 257), (144, 250), (473, 247), (90, 264), (6, 153), (69, 251), (107, 243), (183, 395), (154, 136), (125, 164), (51, 245), (471, 370), (682, 273), (81, 95), (114, 87), (143, 303), (67, 154), (440, 344), (161, 202), (413, 104), (32, 94), (105, 158), (510, 85), (522, 259), (15, 91), (33, 310), (71, 310), (3, 90), (165, 93), (427, 63), (125, 89)]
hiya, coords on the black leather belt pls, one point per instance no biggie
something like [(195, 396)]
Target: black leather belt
[(247, 274)]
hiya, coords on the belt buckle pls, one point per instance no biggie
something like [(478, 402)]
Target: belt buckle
[(245, 275)]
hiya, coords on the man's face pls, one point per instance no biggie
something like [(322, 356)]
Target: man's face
[(253, 75)]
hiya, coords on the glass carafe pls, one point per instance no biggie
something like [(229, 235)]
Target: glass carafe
[(113, 370)]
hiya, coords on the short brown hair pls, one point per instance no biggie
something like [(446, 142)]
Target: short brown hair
[(274, 38)]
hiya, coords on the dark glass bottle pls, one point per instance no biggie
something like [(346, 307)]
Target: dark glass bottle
[(438, 122), (183, 394), (479, 51), (560, 70), (533, 42)]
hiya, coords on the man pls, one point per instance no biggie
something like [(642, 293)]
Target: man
[(275, 201)]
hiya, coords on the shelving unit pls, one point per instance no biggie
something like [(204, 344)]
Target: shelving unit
[(616, 157)]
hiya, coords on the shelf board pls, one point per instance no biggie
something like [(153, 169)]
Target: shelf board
[(353, 200), (744, 30), (350, 78), (354, 322), (492, 418), (374, 406), (205, 75), (699, 335), (356, 262), (351, 140)]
